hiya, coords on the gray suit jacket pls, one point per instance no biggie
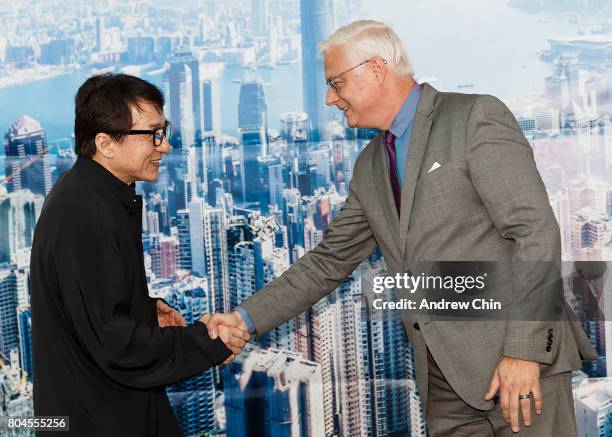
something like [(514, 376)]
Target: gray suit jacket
[(487, 202)]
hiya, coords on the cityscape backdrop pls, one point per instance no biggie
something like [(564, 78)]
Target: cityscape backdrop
[(260, 166)]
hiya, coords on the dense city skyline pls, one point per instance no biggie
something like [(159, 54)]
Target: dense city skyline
[(234, 208)]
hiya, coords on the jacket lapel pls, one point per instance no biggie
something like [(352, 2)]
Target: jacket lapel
[(382, 179), (380, 170), (418, 141)]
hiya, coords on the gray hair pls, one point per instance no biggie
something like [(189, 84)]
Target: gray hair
[(372, 38)]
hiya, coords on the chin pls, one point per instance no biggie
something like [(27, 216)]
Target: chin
[(149, 177), (352, 123)]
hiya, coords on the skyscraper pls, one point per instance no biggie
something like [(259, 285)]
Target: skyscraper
[(27, 162), (209, 250), (211, 106), (259, 14), (24, 315), (316, 25), (184, 250), (588, 228), (19, 211), (163, 255), (9, 331), (182, 86), (273, 393), (193, 399), (253, 128), (100, 40), (593, 407)]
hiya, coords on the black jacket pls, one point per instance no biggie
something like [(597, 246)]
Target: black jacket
[(99, 355)]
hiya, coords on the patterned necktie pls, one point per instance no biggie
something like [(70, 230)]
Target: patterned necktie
[(397, 191)]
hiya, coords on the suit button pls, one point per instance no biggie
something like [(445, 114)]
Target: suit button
[(548, 348), (416, 326), (550, 331), (549, 343)]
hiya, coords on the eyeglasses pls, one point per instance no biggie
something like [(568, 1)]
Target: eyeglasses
[(158, 134), (330, 81)]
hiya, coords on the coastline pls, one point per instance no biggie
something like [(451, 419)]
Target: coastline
[(17, 77)]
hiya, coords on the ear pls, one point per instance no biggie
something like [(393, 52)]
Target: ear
[(105, 145), (379, 68)]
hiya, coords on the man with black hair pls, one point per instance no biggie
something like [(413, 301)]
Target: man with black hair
[(103, 349)]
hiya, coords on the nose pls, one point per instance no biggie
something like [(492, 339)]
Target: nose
[(331, 97), (164, 147)]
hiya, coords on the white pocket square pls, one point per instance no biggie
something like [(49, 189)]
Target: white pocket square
[(434, 166)]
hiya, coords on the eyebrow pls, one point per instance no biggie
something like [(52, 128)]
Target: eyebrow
[(157, 125)]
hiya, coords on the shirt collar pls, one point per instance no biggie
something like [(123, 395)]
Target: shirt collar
[(407, 111), (108, 182)]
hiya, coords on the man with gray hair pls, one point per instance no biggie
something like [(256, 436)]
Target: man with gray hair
[(449, 178)]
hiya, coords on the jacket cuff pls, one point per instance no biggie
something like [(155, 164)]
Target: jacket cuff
[(215, 349)]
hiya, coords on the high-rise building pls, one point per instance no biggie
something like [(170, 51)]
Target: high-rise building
[(163, 255), (588, 228), (354, 370), (259, 16), (211, 106), (100, 30), (593, 407), (184, 249), (253, 130), (319, 333), (216, 257), (316, 25), (275, 393), (547, 120), (24, 315), (526, 123), (587, 191), (16, 393), (27, 162), (9, 330), (193, 399), (294, 126), (182, 86), (321, 160), (209, 250), (19, 212), (270, 181)]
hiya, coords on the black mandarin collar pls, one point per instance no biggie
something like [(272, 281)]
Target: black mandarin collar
[(108, 182)]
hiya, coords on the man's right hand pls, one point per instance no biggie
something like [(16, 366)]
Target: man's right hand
[(233, 319), (230, 328)]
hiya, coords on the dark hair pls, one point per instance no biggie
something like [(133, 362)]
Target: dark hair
[(104, 104)]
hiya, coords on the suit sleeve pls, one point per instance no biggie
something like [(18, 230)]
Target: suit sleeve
[(98, 306), (348, 241), (503, 172)]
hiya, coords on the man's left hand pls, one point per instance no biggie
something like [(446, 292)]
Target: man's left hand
[(514, 377), (168, 316)]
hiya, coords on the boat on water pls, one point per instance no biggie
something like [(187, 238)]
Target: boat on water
[(465, 85)]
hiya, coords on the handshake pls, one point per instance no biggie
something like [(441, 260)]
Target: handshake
[(231, 328)]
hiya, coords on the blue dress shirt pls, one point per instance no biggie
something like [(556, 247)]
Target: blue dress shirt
[(402, 127)]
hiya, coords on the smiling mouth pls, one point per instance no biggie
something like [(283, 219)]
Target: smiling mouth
[(156, 161), (346, 108)]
